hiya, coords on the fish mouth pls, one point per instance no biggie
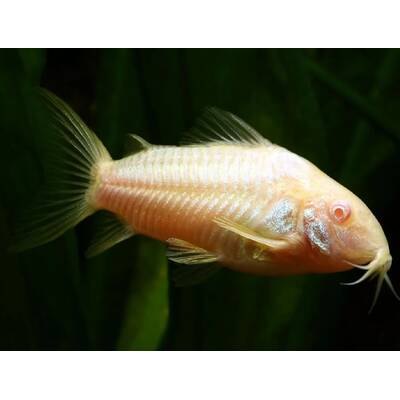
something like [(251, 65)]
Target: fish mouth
[(378, 268)]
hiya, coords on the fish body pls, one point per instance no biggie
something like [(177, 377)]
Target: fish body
[(233, 198), (180, 192)]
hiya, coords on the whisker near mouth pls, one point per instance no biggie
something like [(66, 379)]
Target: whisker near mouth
[(371, 269), (370, 273), (378, 267), (363, 266)]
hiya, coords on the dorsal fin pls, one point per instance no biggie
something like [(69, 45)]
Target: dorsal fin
[(109, 231), (135, 143), (217, 126)]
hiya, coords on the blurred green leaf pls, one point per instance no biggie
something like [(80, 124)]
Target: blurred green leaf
[(359, 102), (307, 130), (146, 312), (33, 61), (365, 142)]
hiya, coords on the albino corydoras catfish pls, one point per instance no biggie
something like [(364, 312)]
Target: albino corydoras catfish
[(230, 198)]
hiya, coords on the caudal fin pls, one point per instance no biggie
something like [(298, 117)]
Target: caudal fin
[(73, 178)]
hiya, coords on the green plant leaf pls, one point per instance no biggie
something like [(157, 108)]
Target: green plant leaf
[(146, 310)]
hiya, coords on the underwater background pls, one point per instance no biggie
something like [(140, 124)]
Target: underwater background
[(338, 108)]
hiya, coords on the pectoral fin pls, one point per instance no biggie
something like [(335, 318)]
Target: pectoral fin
[(250, 234)]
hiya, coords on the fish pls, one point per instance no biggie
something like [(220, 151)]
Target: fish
[(226, 197)]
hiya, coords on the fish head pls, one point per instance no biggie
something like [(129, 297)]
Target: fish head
[(342, 233), (343, 229)]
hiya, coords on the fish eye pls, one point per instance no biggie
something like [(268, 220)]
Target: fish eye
[(340, 211)]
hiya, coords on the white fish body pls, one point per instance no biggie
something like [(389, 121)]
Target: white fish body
[(233, 198)]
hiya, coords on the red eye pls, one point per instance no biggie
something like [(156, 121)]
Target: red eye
[(340, 211)]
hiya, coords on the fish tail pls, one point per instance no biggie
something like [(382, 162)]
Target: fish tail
[(73, 179)]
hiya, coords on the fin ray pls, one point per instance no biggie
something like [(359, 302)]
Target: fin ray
[(183, 252), (216, 126), (200, 263), (135, 144), (248, 233), (111, 231), (67, 201)]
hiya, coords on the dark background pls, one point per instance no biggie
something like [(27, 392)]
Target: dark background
[(338, 108)]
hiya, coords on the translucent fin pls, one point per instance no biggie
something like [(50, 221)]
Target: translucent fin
[(192, 274), (248, 233), (217, 126), (183, 252), (68, 199), (135, 144), (109, 232)]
